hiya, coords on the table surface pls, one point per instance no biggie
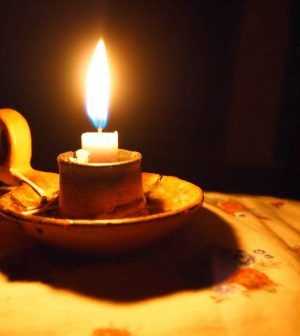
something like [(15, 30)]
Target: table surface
[(232, 270)]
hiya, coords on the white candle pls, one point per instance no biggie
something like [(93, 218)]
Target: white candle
[(102, 146)]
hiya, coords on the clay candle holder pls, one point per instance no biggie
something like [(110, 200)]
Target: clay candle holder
[(170, 201), (101, 190)]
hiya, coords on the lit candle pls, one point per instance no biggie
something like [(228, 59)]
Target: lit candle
[(102, 146)]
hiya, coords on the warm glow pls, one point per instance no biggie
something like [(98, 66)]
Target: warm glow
[(98, 87)]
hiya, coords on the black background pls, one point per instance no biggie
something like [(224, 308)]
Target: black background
[(173, 68)]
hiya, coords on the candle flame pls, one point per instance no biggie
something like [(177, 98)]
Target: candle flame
[(98, 87)]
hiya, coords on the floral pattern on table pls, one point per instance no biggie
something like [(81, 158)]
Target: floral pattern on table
[(277, 204), (251, 279), (296, 250), (249, 276), (110, 332), (235, 208)]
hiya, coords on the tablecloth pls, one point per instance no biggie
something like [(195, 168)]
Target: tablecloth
[(232, 270)]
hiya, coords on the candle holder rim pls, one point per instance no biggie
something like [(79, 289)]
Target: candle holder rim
[(64, 158)]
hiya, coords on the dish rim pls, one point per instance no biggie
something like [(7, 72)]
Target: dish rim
[(116, 222)]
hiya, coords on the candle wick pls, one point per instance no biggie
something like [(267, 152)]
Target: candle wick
[(100, 129)]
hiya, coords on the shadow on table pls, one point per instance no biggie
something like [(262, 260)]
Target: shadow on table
[(201, 254)]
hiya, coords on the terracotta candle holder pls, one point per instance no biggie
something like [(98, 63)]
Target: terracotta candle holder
[(101, 190)]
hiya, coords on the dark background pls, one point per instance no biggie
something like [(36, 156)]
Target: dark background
[(206, 90)]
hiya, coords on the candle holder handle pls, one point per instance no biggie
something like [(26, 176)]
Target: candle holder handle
[(15, 146), (15, 157)]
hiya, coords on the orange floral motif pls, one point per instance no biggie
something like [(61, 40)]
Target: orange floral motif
[(110, 332), (277, 204), (260, 216), (250, 278), (296, 250), (231, 207)]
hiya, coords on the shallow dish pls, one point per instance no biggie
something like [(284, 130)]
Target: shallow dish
[(170, 201)]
